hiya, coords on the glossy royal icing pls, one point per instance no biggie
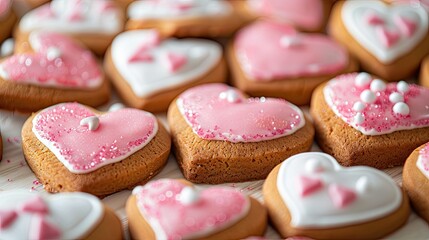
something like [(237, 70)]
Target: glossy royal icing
[(423, 161), (220, 112), (119, 134)]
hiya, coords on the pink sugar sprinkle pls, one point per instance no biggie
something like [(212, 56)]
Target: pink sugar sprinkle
[(36, 182)]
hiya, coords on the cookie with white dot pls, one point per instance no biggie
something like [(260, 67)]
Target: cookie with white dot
[(390, 39), (188, 18), (7, 19), (424, 73), (286, 64), (94, 23), (220, 135), (149, 70), (415, 180), (71, 147), (311, 195), (176, 209), (362, 120)]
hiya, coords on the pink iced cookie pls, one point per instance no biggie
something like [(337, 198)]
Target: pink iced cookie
[(356, 198), (4, 8), (174, 209)]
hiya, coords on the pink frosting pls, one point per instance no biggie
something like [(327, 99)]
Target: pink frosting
[(4, 7), (268, 51), (383, 115), (35, 205), (341, 196), (58, 61), (306, 14), (215, 209), (424, 159), (7, 218), (219, 112), (119, 134)]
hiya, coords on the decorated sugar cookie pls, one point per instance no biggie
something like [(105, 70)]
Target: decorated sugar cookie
[(288, 64), (175, 209), (311, 195), (188, 18), (362, 120), (26, 215), (7, 19), (54, 69), (389, 39), (71, 147), (415, 180), (220, 135), (150, 71), (93, 22)]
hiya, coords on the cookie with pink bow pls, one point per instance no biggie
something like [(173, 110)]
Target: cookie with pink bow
[(149, 70), (362, 120), (29, 215), (71, 147), (52, 69), (176, 209), (92, 22), (415, 180), (273, 59), (220, 135), (188, 18), (389, 39), (7, 19), (311, 195)]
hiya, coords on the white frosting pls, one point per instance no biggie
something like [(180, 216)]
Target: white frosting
[(75, 214), (353, 15), (92, 122), (149, 77), (93, 18), (166, 9), (7, 47), (317, 210), (115, 107), (421, 167)]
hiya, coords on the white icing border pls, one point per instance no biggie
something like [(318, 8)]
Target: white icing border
[(420, 166)]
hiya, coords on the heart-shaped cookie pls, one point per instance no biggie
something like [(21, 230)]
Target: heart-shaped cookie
[(285, 53), (373, 107), (59, 216), (386, 31), (219, 112), (84, 141), (57, 62), (150, 65), (175, 209)]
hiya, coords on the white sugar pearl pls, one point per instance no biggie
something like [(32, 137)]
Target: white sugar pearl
[(401, 108), (7, 47), (377, 85), (363, 79), (363, 185), (290, 41), (313, 165), (116, 106), (53, 53), (396, 97), (402, 87), (367, 96), (189, 195), (92, 122), (359, 118), (137, 190), (230, 95), (358, 106)]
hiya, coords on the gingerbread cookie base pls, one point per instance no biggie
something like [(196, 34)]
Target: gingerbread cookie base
[(281, 218), (108, 228), (133, 170), (424, 73), (401, 68), (297, 90), (350, 147), (159, 101), (205, 161), (6, 25), (416, 184)]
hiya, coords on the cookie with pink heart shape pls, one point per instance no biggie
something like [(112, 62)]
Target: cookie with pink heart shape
[(311, 195), (7, 19), (92, 22), (306, 15), (362, 120), (273, 59), (424, 73), (176, 209), (29, 215), (54, 69), (71, 147), (389, 39), (149, 71), (220, 135), (415, 180), (188, 18)]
